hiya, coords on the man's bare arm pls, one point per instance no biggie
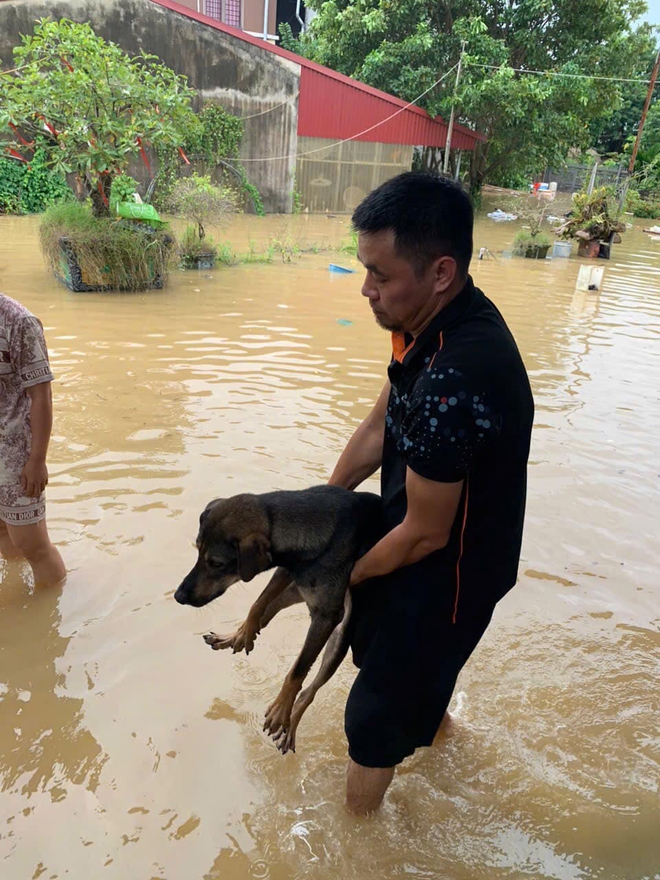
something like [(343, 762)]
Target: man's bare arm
[(364, 451), (426, 527)]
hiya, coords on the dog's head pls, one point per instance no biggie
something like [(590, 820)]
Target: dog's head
[(233, 545)]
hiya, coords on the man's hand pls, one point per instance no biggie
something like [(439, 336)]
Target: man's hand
[(34, 477), (426, 527)]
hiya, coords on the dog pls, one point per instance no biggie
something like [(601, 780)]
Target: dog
[(314, 537)]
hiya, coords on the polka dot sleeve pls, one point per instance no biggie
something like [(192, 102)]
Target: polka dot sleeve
[(448, 421)]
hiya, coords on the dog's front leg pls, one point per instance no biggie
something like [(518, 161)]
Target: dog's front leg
[(278, 716), (246, 634)]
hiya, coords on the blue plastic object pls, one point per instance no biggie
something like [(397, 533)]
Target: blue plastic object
[(335, 268)]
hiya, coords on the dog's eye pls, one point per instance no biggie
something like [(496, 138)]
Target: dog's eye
[(216, 564)]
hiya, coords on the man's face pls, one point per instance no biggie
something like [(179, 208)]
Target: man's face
[(399, 298)]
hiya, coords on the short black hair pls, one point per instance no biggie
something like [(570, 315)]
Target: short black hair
[(430, 216)]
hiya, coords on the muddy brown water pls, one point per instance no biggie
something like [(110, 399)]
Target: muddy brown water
[(128, 750)]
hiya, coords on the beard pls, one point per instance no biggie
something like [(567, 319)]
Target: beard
[(387, 323)]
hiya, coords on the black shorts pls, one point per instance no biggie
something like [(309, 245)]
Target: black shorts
[(409, 654)]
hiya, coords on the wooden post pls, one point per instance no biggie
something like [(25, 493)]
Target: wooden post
[(647, 103), (450, 128)]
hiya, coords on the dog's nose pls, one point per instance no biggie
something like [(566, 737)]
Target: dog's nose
[(181, 596)]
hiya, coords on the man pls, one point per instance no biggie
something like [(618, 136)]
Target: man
[(451, 430), (26, 417)]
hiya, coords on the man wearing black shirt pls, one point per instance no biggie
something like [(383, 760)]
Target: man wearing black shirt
[(451, 433)]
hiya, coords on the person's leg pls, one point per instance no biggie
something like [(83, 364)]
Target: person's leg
[(399, 700), (8, 550), (366, 787), (33, 542)]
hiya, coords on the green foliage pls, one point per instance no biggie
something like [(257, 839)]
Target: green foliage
[(528, 120), (191, 248), (287, 40), (213, 138), (215, 135), (200, 201), (91, 103), (526, 238), (116, 254), (639, 207), (123, 189), (30, 189), (594, 217)]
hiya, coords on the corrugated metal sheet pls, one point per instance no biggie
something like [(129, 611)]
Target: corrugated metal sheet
[(341, 108), (335, 106)]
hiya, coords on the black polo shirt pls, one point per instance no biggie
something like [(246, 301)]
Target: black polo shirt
[(461, 408)]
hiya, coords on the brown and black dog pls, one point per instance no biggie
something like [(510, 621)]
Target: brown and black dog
[(314, 536)]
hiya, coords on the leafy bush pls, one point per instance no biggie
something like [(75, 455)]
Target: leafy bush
[(30, 189), (525, 239), (121, 255), (640, 207)]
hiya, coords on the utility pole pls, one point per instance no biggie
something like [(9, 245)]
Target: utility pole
[(450, 129), (647, 103)]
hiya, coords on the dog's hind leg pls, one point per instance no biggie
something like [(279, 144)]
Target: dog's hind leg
[(245, 635), (324, 621), (334, 653)]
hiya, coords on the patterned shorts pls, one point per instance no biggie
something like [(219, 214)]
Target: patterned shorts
[(18, 510)]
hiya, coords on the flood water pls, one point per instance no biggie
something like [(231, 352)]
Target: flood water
[(130, 751)]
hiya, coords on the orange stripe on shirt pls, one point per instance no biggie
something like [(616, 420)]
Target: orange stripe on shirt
[(442, 342), (399, 347), (460, 554)]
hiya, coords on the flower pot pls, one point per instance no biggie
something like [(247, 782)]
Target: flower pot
[(536, 251), (200, 261), (82, 279), (589, 249), (562, 249)]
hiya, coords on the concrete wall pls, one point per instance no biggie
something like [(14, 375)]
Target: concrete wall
[(246, 80)]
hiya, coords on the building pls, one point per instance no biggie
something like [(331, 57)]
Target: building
[(351, 137), (308, 129)]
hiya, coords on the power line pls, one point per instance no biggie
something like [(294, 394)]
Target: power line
[(359, 133), (556, 73), (270, 109)]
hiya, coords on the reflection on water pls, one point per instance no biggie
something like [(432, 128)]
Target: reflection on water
[(128, 750)]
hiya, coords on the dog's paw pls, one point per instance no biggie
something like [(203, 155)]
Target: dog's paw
[(241, 640), (285, 740)]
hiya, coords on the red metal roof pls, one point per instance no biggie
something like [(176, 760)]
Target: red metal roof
[(337, 107)]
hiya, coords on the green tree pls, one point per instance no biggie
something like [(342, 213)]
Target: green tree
[(529, 120), (91, 106)]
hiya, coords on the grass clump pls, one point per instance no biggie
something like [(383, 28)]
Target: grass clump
[(111, 254)]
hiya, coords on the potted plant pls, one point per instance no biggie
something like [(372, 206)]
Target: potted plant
[(92, 109), (533, 245), (594, 222), (530, 241), (202, 203)]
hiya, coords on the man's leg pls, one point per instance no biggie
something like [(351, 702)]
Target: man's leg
[(32, 542), (7, 548), (366, 787)]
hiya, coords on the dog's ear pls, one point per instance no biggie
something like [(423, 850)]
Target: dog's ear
[(209, 507), (254, 556)]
